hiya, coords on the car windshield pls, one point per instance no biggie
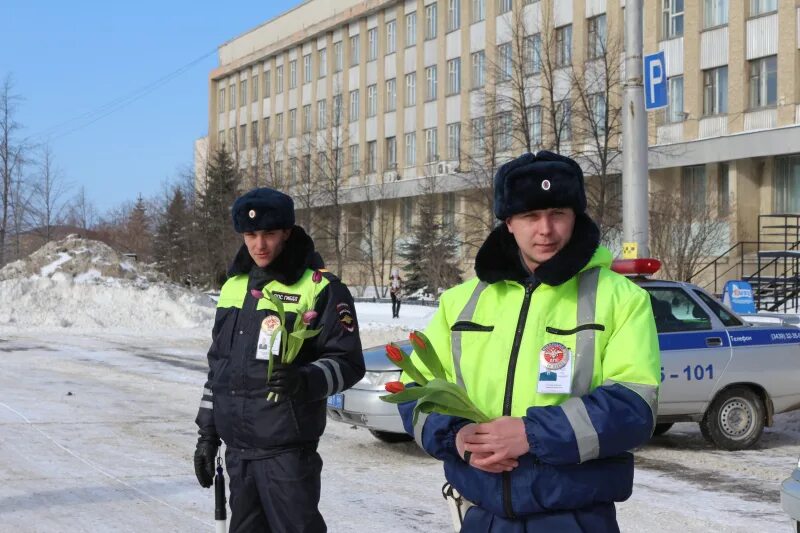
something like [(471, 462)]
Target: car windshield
[(674, 310)]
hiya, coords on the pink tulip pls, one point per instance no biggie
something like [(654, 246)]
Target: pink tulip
[(316, 277), (308, 317), (257, 294)]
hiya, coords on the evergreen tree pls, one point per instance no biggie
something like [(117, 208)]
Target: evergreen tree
[(215, 228), (430, 252), (172, 240), (137, 229)]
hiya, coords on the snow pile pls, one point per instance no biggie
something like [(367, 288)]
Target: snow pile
[(79, 283)]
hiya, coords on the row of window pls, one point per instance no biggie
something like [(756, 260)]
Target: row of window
[(715, 13), (762, 89)]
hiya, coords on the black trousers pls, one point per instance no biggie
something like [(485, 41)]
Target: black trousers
[(277, 494), (395, 306)]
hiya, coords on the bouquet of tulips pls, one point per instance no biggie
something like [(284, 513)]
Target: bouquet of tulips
[(436, 395), (291, 343)]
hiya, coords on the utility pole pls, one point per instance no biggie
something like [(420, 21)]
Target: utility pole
[(635, 223)]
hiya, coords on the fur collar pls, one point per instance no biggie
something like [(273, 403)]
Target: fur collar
[(499, 258), (298, 255)]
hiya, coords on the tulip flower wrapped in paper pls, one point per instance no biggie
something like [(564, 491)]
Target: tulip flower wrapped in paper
[(437, 395), (290, 343)]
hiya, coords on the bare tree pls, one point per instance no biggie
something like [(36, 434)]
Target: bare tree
[(379, 236), (12, 155), (81, 211), (48, 205)]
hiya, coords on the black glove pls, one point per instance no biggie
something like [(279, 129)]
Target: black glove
[(286, 379), (204, 460)]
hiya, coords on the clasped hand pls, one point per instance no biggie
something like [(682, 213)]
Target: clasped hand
[(495, 446)]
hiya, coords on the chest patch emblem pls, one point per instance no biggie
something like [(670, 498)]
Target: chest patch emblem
[(270, 323), (554, 356)]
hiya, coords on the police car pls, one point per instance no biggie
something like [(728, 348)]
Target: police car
[(729, 375)]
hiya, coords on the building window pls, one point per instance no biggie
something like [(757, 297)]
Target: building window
[(232, 97), (504, 6), (478, 69), (279, 79), (307, 167), (292, 172), (254, 87), (391, 94), (221, 138), (407, 217), (533, 54), (431, 152), (478, 10), (306, 118), (759, 7), (478, 136), (279, 125), (454, 76), (449, 210), (763, 82), (292, 73), (355, 50), (279, 171), (292, 122), (232, 138), (243, 93), (391, 153), (411, 89), (430, 83), (715, 13), (372, 100), (338, 57), (323, 63), (254, 134), (242, 136), (354, 105), (675, 105), (453, 14), (391, 37), (693, 185), (322, 114), (535, 124), (597, 36), (267, 83), (411, 149), (372, 44), (671, 19), (505, 61), (355, 159), (787, 184), (337, 109), (221, 100), (723, 190), (307, 68), (564, 119), (597, 103), (411, 29), (504, 132), (372, 156), (715, 91), (454, 141), (265, 129), (430, 22), (564, 46)]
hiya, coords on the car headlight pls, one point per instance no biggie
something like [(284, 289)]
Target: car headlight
[(377, 380)]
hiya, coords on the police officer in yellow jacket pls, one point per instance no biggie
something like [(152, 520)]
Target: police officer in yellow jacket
[(559, 351), (271, 445)]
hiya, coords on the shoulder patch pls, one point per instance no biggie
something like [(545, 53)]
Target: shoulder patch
[(346, 317)]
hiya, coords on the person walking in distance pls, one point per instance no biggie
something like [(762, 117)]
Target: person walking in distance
[(395, 291)]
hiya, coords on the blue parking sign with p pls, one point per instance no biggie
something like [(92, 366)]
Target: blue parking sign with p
[(655, 81)]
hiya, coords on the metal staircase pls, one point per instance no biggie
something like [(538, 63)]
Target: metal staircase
[(771, 264)]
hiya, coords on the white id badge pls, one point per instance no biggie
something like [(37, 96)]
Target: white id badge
[(268, 326), (555, 369)]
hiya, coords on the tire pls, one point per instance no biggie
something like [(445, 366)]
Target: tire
[(662, 428), (386, 436), (735, 420)]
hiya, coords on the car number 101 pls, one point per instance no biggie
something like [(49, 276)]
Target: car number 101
[(691, 373)]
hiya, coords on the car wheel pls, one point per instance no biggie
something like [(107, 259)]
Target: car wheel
[(735, 419), (387, 436), (662, 428)]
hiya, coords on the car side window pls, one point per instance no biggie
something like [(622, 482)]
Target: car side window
[(674, 310), (723, 314)]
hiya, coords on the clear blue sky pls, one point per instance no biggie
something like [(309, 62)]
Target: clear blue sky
[(70, 59)]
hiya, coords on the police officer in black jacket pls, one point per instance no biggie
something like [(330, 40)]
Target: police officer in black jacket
[(271, 445)]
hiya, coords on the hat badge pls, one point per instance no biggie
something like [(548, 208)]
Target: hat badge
[(252, 213), (546, 185)]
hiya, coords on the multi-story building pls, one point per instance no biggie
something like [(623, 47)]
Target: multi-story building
[(380, 96)]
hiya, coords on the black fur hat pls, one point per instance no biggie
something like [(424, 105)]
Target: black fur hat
[(263, 209), (538, 181)]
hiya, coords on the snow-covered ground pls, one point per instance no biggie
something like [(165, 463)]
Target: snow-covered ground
[(97, 425)]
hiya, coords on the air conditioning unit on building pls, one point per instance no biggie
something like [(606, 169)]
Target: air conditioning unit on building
[(391, 175), (446, 167)]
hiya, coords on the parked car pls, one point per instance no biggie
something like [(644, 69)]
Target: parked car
[(729, 375), (790, 496)]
